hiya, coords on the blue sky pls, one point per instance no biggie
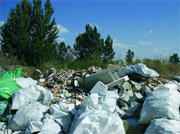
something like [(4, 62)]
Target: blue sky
[(150, 28)]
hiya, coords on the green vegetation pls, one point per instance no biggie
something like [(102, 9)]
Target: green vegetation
[(174, 58), (30, 33), (129, 56), (90, 45)]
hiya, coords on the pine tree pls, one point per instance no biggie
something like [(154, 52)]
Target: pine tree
[(174, 58), (30, 33), (129, 56), (108, 52), (89, 45)]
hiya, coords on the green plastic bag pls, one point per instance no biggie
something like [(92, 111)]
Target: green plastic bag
[(7, 88), (16, 73), (4, 111)]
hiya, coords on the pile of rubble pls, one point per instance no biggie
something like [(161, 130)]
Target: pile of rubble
[(93, 101)]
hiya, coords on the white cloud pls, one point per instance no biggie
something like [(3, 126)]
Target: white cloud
[(118, 44), (62, 30), (151, 32), (145, 43), (61, 39)]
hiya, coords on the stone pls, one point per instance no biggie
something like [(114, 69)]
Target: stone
[(3, 128), (122, 103), (124, 108), (119, 111), (136, 86), (125, 97), (99, 87), (136, 97), (125, 86), (118, 81), (37, 74)]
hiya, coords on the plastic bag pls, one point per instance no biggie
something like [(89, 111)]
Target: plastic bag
[(98, 122), (163, 126), (7, 88), (32, 112), (139, 69), (163, 102), (62, 115), (29, 95), (25, 82), (16, 73), (47, 126)]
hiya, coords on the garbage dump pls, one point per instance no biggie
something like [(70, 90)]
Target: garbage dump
[(92, 101)]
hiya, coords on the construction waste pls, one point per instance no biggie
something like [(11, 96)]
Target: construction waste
[(129, 100)]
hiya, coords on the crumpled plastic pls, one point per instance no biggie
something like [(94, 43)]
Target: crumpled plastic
[(32, 112), (96, 114), (62, 115), (25, 82), (163, 102), (163, 126), (98, 122), (31, 94), (47, 126), (138, 69)]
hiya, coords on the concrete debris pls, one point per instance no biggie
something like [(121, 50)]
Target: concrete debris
[(92, 101)]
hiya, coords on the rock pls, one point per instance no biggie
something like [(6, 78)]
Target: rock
[(51, 71), (124, 108), (122, 103), (119, 111), (133, 112), (37, 74), (118, 81), (136, 97), (136, 86), (125, 97), (125, 86), (3, 128)]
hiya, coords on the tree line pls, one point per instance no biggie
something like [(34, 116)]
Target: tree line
[(30, 34)]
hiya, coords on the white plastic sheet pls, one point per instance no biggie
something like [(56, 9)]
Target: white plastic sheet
[(163, 102), (100, 98), (97, 115), (32, 112), (98, 122), (25, 82), (163, 126), (62, 114), (48, 126), (139, 69), (31, 94)]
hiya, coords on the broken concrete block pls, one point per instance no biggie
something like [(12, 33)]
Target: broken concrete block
[(124, 108), (125, 86), (136, 86), (125, 97), (136, 97), (130, 93), (122, 103), (106, 76), (118, 81), (133, 111), (119, 111), (3, 128), (99, 88)]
